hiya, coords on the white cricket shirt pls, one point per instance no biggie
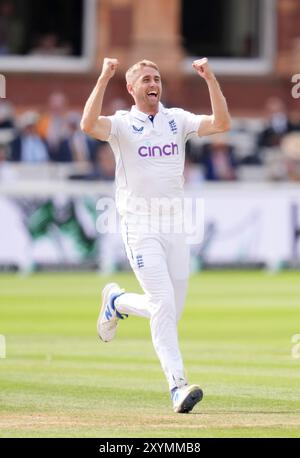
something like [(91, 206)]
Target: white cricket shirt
[(150, 155)]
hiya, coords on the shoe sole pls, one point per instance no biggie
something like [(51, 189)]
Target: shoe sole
[(102, 310), (190, 401)]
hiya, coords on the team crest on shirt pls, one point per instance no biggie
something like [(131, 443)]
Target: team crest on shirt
[(139, 261), (137, 130), (173, 126)]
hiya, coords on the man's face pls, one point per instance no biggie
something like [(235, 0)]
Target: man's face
[(146, 88)]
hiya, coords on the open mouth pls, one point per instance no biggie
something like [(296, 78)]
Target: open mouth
[(152, 95)]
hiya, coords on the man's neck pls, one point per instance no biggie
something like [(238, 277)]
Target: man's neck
[(150, 111)]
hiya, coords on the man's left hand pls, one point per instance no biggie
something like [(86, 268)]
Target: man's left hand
[(203, 69)]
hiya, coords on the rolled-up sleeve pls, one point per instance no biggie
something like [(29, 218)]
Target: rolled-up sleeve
[(191, 123)]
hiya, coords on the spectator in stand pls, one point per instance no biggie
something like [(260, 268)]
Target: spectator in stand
[(6, 115), (277, 124), (28, 146), (192, 172), (76, 146), (218, 159), (49, 45), (104, 166), (11, 29), (7, 172), (7, 132), (290, 147), (53, 126), (269, 143)]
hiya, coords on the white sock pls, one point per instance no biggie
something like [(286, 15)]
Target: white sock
[(133, 304)]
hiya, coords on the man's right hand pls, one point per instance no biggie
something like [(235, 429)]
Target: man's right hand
[(109, 67), (92, 123)]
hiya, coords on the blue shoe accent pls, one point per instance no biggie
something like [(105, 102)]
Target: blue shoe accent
[(172, 392), (108, 314), (186, 397), (112, 301)]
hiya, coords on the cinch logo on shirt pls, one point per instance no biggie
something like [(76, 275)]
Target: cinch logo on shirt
[(155, 151)]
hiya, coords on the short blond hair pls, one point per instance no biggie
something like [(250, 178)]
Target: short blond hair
[(138, 66)]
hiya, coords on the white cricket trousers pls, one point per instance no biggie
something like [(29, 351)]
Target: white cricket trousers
[(161, 265)]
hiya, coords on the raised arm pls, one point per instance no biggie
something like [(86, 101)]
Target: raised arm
[(219, 120), (92, 123)]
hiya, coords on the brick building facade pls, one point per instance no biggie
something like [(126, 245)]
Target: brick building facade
[(135, 29)]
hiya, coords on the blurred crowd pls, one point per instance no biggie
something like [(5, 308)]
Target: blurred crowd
[(271, 145), (53, 136), (267, 148)]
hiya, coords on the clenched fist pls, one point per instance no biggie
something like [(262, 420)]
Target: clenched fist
[(109, 67), (203, 69)]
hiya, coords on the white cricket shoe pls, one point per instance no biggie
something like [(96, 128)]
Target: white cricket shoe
[(186, 397), (109, 316)]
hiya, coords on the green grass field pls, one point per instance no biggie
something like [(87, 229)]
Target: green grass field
[(59, 380)]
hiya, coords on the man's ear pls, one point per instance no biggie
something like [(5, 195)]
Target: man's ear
[(130, 88)]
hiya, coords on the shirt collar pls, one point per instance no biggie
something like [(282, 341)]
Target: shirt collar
[(143, 116)]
